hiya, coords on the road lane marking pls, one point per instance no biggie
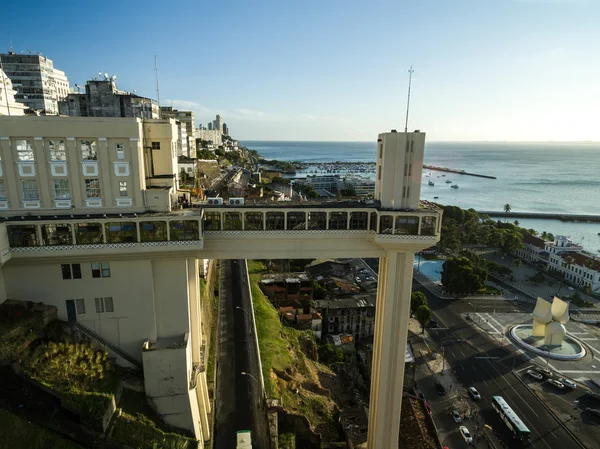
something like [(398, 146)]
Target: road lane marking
[(579, 372), (452, 354), (463, 354)]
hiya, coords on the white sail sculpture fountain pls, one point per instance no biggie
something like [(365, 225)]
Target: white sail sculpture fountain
[(549, 320)]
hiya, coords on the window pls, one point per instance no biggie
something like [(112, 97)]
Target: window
[(61, 189), (100, 270), (123, 188), (80, 306), (88, 150), (58, 151), (104, 305), (120, 151), (30, 190), (92, 188), (71, 271), (156, 145), (24, 150), (2, 191)]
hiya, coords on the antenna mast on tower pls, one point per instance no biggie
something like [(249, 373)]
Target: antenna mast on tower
[(410, 72), (156, 76)]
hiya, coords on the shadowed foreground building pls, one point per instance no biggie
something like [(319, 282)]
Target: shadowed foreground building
[(86, 207)]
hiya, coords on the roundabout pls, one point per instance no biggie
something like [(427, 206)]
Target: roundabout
[(568, 349)]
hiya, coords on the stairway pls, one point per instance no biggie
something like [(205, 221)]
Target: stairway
[(107, 344)]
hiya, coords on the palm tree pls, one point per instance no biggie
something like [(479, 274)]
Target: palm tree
[(516, 222), (507, 209), (544, 235)]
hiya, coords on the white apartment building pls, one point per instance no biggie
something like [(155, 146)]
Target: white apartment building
[(533, 250), (8, 104), (87, 214), (585, 269), (38, 84)]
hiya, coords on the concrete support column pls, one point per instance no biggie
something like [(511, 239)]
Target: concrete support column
[(194, 304), (73, 234), (285, 225), (137, 231), (203, 404), (327, 220), (103, 232), (420, 221), (389, 349), (349, 214), (168, 230), (38, 233)]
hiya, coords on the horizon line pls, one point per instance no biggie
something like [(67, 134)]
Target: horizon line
[(430, 141)]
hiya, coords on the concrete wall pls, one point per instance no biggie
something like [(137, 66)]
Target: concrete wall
[(167, 369), (150, 297)]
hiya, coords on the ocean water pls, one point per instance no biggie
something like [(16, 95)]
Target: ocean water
[(531, 177)]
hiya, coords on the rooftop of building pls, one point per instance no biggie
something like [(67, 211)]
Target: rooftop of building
[(353, 302), (534, 241), (581, 259), (289, 278)]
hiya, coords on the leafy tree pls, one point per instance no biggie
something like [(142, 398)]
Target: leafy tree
[(319, 291), (348, 192), (417, 299), (461, 275), (516, 222), (423, 313)]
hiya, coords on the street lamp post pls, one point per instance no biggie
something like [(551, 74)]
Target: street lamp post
[(243, 310), (243, 373)]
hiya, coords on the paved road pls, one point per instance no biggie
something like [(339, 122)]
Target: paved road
[(237, 402), (480, 361)]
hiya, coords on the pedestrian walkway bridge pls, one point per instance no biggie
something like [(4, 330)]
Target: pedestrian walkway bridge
[(337, 228)]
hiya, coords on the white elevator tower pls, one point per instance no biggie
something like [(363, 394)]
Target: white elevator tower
[(399, 159)]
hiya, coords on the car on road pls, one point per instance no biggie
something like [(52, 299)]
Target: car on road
[(440, 388), (593, 411), (358, 280), (433, 323), (474, 393), (568, 383), (556, 383), (466, 434), (370, 278), (535, 374), (456, 416)]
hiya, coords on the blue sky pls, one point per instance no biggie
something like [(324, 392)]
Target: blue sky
[(337, 69)]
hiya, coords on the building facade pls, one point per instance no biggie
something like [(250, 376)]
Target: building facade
[(533, 250), (353, 316), (210, 135), (73, 165), (38, 84), (187, 119), (8, 104), (102, 99)]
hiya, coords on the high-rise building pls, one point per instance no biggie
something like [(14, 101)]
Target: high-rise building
[(187, 119), (38, 84), (103, 99), (8, 105), (218, 123), (210, 125), (225, 129)]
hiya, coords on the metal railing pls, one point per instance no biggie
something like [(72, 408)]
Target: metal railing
[(107, 344)]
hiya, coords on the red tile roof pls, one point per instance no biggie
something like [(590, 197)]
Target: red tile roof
[(580, 259), (533, 240)]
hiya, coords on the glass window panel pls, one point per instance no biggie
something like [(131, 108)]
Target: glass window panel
[(184, 230), (58, 151), (61, 189), (123, 188), (88, 150), (296, 220), (254, 221), (386, 223), (3, 196), (359, 220), (120, 151), (57, 234), (153, 231), (92, 188), (407, 225), (275, 221), (338, 220), (212, 221), (80, 306), (76, 268), (233, 221), (22, 236), (428, 225), (30, 190), (24, 150), (316, 220), (66, 271), (88, 233), (122, 232)]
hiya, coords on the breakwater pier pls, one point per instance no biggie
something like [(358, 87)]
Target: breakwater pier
[(549, 216), (458, 172)]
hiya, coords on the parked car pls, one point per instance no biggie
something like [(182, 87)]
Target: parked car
[(466, 434), (456, 416), (535, 374), (568, 383), (428, 408), (440, 388), (556, 383), (545, 371), (358, 280), (474, 393), (593, 411), (433, 323)]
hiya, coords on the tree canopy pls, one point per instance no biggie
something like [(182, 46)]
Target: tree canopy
[(461, 275), (423, 313), (417, 299)]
